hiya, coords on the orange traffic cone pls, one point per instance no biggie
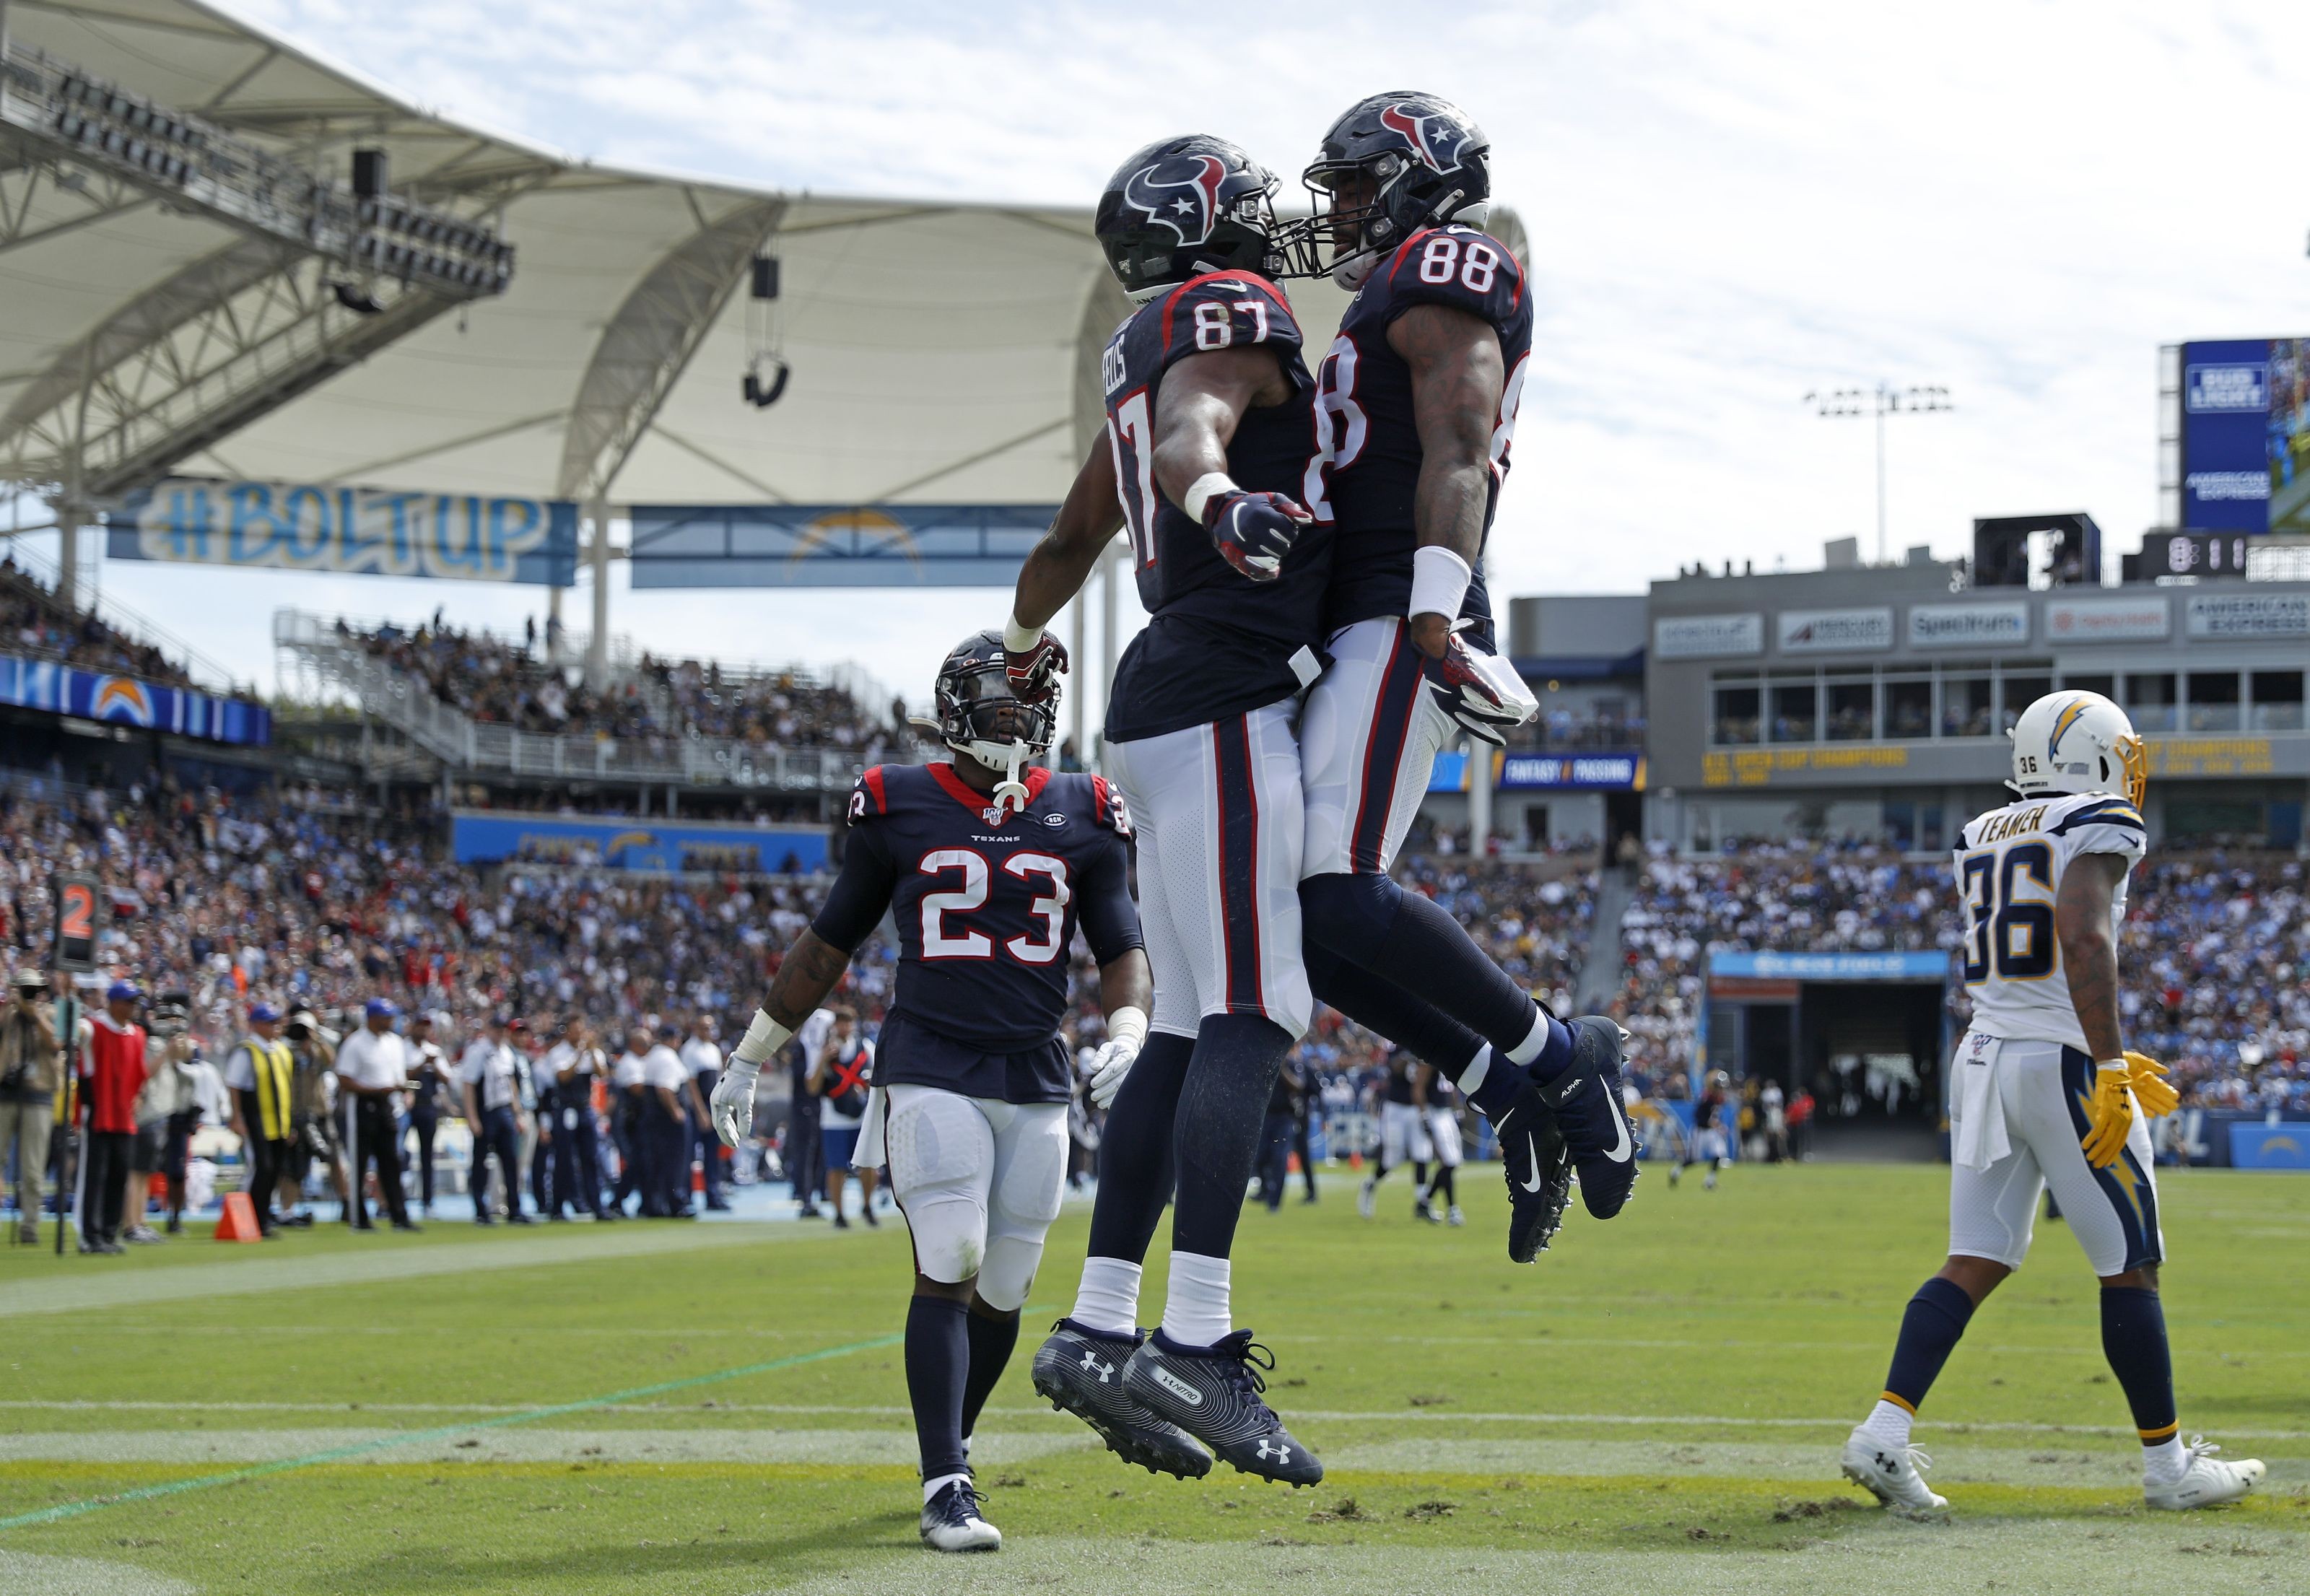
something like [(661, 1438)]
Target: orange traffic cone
[(239, 1222)]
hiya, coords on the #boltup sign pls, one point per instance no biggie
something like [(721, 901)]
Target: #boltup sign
[(372, 532)]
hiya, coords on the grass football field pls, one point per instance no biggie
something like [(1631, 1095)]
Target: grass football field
[(1656, 1405)]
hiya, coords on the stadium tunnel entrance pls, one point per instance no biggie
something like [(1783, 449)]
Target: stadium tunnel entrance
[(1865, 1034)]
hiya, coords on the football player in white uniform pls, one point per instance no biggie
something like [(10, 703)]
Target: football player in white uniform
[(2045, 1093)]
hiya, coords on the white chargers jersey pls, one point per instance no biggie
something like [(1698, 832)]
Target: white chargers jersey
[(2009, 873)]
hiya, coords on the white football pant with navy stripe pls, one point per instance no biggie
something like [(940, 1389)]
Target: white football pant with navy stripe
[(1368, 740), (1220, 822)]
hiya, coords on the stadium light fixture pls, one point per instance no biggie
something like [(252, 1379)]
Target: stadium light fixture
[(1834, 404)]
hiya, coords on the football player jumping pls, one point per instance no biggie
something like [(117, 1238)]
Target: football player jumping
[(2046, 1094), (1416, 406), (987, 866)]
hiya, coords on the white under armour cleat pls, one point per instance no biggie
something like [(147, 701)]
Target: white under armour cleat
[(1367, 1198), (1894, 1475), (2206, 1481), (950, 1521)]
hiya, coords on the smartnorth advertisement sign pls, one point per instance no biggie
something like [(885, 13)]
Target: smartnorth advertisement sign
[(2246, 435)]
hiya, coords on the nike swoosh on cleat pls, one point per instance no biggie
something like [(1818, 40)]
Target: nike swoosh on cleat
[(1532, 1151), (1626, 1147)]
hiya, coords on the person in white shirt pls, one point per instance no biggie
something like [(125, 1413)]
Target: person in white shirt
[(490, 1082), (841, 1077), (571, 1065), (627, 1088), (372, 1066), (702, 1057), (668, 1105)]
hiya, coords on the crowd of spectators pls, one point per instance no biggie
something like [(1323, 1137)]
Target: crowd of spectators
[(33, 620), (516, 682)]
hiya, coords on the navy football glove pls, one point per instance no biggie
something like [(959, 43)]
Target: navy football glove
[(1253, 531), (1031, 673), (1481, 691)]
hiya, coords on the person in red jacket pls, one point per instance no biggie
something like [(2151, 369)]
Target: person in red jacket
[(114, 1070)]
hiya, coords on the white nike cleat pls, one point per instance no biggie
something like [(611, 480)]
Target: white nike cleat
[(2206, 1481), (1894, 1475), (1367, 1198)]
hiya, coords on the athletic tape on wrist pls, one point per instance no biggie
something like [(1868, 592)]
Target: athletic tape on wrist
[(1439, 581), (1203, 490), (1018, 638), (762, 1042), (1127, 1024)]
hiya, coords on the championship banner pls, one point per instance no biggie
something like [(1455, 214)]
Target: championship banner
[(797, 545), (131, 701), (364, 532)]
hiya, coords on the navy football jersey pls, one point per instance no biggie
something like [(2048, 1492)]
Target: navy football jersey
[(1365, 475), (1216, 643), (987, 903)]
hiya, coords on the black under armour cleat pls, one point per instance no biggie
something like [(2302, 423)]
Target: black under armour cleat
[(1081, 1371), (1213, 1393), (1586, 1102), (1538, 1168), (950, 1521)]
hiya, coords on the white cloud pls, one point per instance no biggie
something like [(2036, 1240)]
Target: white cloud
[(1728, 206)]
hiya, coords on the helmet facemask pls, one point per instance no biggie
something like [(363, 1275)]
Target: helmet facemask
[(982, 719)]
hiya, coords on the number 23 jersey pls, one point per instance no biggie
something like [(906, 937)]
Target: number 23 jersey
[(2010, 864), (987, 903), (1365, 477)]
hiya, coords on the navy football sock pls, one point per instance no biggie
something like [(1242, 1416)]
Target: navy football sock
[(992, 1333), (2133, 1340), (1134, 1153), (1936, 1317), (1223, 1114), (938, 1361), (1378, 926)]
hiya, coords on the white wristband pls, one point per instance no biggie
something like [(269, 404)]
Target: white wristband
[(1439, 581), (1203, 488), (763, 1041), (1018, 638), (1127, 1024)]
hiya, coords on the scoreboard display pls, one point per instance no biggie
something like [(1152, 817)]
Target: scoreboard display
[(2246, 435)]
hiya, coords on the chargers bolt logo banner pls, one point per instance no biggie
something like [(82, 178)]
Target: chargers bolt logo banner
[(116, 698), (1182, 193), (1436, 137)]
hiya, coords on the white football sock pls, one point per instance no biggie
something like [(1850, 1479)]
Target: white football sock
[(1529, 1049), (1195, 1312), (1479, 1069), (1890, 1422), (2164, 1462), (932, 1488), (1108, 1297)]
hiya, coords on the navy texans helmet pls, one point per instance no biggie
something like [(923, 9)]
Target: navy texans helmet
[(1182, 207), (1392, 164), (981, 713)]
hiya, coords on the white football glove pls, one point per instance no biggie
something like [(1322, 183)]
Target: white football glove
[(1481, 691), (1127, 1034), (732, 1107)]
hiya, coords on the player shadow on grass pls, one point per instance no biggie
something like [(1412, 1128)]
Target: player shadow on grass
[(776, 1561)]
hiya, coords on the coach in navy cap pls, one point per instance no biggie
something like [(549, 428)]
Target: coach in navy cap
[(372, 1066)]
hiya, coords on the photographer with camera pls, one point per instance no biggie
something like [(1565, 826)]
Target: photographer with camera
[(261, 1075), (490, 1077), (841, 1077), (313, 1047), (428, 1081), (167, 1110), (31, 1075)]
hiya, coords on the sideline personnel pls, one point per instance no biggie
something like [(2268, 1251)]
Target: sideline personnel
[(30, 1076), (372, 1064)]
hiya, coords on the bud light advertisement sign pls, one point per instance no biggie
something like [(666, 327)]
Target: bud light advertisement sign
[(2246, 435)]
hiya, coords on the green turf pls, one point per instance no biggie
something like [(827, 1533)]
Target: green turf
[(1656, 1404)]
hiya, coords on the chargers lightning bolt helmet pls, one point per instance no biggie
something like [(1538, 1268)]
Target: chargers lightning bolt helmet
[(1184, 206), (2078, 742), (983, 714), (1391, 165)]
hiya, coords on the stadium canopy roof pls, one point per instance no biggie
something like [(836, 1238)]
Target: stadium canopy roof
[(938, 349)]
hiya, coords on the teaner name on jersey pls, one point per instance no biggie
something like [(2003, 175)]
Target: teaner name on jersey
[(2012, 823)]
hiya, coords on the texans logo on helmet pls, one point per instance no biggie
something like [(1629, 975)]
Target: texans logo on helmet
[(1182, 193), (1435, 138)]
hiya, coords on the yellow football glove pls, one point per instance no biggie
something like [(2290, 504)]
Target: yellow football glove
[(2113, 1115), (2147, 1076)]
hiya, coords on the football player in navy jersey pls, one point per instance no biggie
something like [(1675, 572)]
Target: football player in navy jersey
[(1416, 408), (988, 866)]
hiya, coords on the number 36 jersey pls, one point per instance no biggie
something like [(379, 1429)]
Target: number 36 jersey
[(987, 902), (2009, 864), (1216, 644), (1366, 473)]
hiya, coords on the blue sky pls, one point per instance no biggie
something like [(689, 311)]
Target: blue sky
[(1729, 205)]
